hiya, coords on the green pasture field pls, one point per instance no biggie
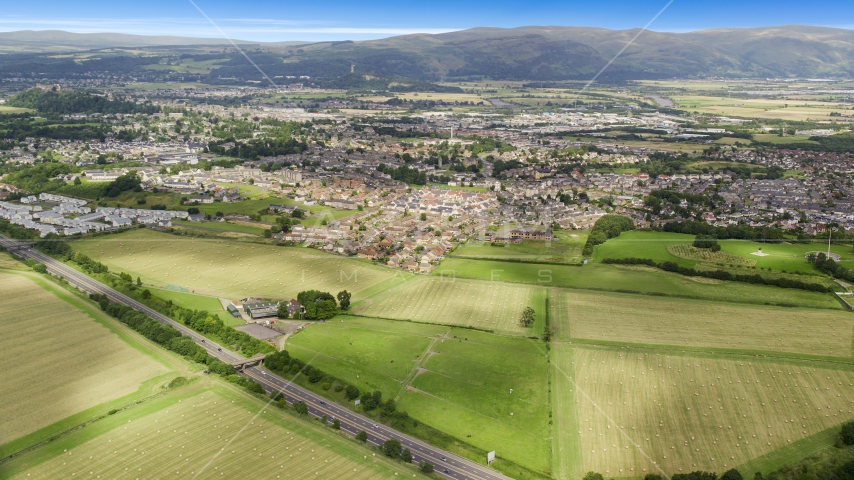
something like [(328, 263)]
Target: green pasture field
[(212, 431), (566, 250), (778, 140), (218, 226), (789, 257), (484, 305), (464, 390), (80, 359), (638, 412), (190, 300), (632, 278), (229, 269), (7, 109), (369, 353), (639, 319)]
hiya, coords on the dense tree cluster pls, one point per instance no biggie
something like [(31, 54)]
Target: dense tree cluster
[(318, 305), (78, 102), (404, 174), (605, 228), (709, 242), (162, 334)]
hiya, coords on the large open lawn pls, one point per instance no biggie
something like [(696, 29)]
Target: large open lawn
[(368, 353), (231, 269), (622, 318), (58, 360), (631, 278), (210, 432), (488, 390), (628, 412), (451, 301)]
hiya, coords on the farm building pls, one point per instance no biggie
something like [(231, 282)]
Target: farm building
[(261, 309), (233, 310)]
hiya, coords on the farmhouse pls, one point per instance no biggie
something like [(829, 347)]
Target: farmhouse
[(257, 310)]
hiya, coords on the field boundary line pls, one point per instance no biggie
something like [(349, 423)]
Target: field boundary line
[(652, 294), (81, 425), (677, 350)]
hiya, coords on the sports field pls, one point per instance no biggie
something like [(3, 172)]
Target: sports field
[(486, 305), (211, 432), (642, 279), (57, 359), (488, 390), (624, 318), (637, 412), (231, 269)]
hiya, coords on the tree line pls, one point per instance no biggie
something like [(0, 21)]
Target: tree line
[(78, 102), (606, 228), (739, 231), (756, 279)]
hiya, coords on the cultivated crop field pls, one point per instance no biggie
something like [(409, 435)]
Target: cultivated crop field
[(485, 305), (231, 269), (565, 250), (615, 317), (57, 359), (368, 353), (464, 389), (212, 433), (627, 412), (690, 252)]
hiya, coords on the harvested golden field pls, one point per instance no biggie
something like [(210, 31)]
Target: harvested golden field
[(486, 305), (627, 413), (215, 433), (690, 252), (57, 360), (231, 269), (616, 317)]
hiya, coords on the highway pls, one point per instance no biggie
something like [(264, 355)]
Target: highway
[(445, 464)]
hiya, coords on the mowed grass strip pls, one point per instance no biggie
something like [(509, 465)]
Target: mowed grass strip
[(633, 278), (231, 269), (57, 360), (212, 434), (689, 413), (368, 353), (485, 305), (643, 319), (465, 389)]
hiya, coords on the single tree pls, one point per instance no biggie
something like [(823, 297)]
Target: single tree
[(425, 467), (336, 424), (301, 408), (392, 447), (362, 436), (406, 456), (527, 317), (344, 299)]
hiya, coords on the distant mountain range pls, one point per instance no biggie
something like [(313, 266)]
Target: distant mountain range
[(531, 53), (44, 40)]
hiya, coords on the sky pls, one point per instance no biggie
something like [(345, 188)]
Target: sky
[(313, 20)]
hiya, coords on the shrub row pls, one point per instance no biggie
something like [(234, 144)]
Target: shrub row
[(722, 274), (162, 334)]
